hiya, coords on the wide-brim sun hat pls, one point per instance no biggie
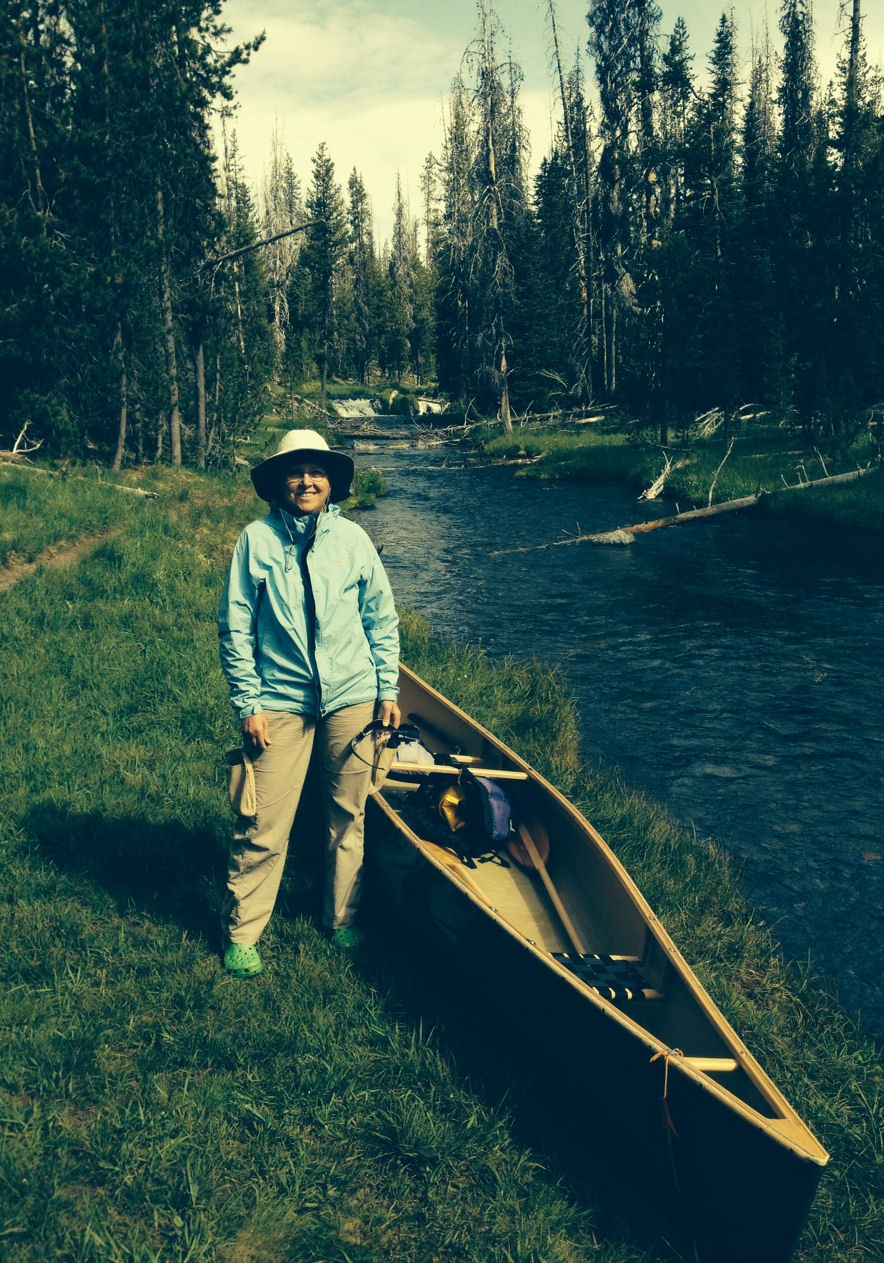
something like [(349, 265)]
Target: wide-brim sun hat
[(303, 446)]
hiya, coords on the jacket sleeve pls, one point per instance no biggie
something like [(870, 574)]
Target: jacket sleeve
[(381, 624), (237, 618)]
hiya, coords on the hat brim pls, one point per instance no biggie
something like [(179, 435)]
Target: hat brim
[(338, 466)]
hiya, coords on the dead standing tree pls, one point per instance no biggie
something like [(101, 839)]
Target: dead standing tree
[(580, 210), (499, 179)]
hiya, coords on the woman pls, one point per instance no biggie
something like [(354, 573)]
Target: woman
[(310, 649)]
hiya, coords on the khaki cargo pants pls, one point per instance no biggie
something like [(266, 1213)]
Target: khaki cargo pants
[(260, 843)]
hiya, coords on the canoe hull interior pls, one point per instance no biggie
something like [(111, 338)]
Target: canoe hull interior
[(731, 1158)]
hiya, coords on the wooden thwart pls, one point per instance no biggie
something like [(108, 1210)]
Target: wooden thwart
[(450, 770)]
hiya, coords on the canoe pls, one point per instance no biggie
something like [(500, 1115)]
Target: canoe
[(571, 946)]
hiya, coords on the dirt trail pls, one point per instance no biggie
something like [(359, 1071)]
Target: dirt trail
[(51, 557)]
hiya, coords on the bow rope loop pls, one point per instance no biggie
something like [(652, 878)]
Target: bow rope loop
[(667, 1054), (669, 1126)]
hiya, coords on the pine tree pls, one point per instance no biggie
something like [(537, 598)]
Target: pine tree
[(575, 146), (613, 47), (499, 202), (230, 318), (761, 336), (799, 265), (856, 345), (402, 274), (118, 100), (454, 314), (554, 344), (364, 279), (37, 266), (677, 94), (713, 218), (319, 266)]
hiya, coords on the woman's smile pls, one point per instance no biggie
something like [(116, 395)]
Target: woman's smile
[(306, 489)]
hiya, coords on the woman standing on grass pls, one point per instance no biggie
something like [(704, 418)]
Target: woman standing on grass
[(310, 649)]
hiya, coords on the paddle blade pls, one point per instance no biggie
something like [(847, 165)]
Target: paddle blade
[(519, 851)]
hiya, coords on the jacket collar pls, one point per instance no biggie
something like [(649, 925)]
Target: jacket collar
[(303, 526)]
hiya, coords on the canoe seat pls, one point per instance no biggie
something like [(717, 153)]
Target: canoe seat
[(612, 977)]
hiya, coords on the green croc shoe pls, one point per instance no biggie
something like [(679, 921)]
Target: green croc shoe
[(241, 960), (348, 937)]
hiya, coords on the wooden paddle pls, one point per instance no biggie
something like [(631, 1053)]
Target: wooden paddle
[(535, 840), (533, 852)]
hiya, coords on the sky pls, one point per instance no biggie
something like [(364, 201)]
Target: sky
[(371, 77)]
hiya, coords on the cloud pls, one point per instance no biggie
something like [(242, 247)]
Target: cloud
[(370, 85), (347, 75)]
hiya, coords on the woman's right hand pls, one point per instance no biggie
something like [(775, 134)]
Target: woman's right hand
[(256, 730)]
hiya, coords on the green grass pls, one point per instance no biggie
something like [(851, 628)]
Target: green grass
[(154, 1109), (38, 511)]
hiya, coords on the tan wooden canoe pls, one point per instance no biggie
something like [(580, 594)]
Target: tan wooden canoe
[(573, 947)]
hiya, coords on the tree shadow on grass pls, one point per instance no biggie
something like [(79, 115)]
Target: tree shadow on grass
[(167, 869), (164, 868)]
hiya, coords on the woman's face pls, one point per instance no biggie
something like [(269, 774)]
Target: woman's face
[(305, 488)]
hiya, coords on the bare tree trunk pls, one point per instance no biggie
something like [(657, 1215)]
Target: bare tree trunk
[(41, 201), (505, 413), (169, 332), (216, 415), (200, 367), (124, 401)]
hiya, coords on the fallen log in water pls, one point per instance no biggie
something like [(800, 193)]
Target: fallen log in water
[(626, 534)]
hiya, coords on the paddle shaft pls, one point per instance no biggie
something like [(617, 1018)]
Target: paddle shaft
[(530, 845), (537, 860)]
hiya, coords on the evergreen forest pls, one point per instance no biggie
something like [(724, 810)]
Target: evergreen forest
[(703, 233)]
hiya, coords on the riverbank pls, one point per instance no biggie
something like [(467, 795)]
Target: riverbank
[(763, 457), (154, 1107)]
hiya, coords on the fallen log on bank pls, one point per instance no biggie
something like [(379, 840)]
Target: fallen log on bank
[(21, 466), (626, 535)]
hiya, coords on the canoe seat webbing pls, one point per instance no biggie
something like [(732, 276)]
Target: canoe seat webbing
[(612, 979)]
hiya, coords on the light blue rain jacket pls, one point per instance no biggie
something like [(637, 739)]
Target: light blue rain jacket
[(309, 648)]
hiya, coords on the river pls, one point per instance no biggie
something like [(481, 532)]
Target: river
[(731, 669)]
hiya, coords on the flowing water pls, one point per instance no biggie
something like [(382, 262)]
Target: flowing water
[(731, 669)]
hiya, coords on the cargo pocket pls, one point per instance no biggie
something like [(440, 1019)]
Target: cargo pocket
[(241, 783)]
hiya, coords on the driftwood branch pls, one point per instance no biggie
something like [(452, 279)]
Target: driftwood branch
[(652, 492), (627, 534), (717, 472), (18, 450)]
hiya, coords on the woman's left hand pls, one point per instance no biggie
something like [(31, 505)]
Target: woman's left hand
[(389, 714)]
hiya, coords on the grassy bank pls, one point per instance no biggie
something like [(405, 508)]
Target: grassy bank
[(764, 457), (51, 509), (154, 1109)]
